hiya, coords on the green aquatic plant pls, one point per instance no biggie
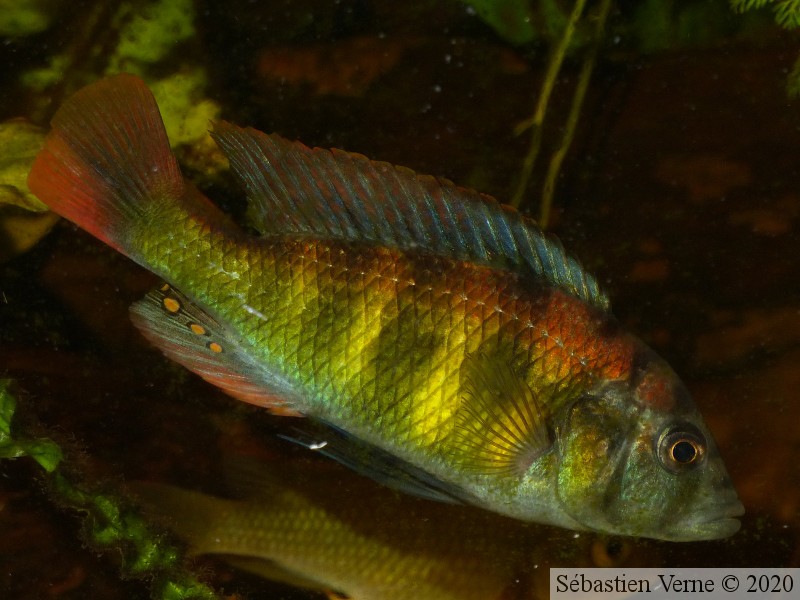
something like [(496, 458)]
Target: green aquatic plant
[(567, 31), (44, 451), (186, 112), (149, 39), (577, 29), (787, 15), (787, 12), (513, 19), (524, 21), (20, 142), (109, 523), (25, 17), (148, 34), (558, 156), (24, 220), (536, 122)]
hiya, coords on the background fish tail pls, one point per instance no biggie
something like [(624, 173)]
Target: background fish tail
[(107, 165)]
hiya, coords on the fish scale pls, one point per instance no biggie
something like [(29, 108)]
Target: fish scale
[(443, 343), (415, 407)]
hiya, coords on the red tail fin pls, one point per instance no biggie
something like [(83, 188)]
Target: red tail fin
[(106, 158)]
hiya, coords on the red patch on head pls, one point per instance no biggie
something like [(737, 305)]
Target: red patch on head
[(655, 390)]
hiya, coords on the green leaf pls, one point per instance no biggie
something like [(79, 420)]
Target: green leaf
[(787, 14), (744, 5), (511, 19), (42, 450), (45, 452)]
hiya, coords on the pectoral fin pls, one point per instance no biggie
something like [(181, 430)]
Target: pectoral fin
[(501, 424)]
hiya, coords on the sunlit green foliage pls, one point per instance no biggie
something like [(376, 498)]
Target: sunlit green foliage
[(787, 15), (787, 12)]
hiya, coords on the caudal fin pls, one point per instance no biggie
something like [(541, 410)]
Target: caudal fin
[(107, 159)]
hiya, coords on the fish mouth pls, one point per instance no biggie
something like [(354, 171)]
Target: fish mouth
[(717, 518), (719, 521)]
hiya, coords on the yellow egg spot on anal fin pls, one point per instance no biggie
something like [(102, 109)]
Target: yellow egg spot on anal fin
[(171, 305), (191, 336)]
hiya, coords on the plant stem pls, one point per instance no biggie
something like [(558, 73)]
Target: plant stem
[(578, 97), (553, 67)]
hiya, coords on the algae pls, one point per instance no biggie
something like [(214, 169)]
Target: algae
[(150, 34), (24, 220), (20, 142), (20, 18), (109, 523)]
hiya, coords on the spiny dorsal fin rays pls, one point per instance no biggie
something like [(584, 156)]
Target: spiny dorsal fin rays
[(336, 194), (501, 426), (193, 338)]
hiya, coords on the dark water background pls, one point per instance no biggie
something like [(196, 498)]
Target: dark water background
[(680, 192)]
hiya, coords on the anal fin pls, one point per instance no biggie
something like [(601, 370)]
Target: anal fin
[(193, 338)]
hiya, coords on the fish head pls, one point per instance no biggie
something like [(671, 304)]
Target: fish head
[(637, 459)]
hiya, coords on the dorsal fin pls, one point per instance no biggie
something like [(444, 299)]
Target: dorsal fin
[(336, 194)]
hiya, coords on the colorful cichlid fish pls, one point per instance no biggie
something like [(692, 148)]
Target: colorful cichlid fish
[(383, 546), (450, 346)]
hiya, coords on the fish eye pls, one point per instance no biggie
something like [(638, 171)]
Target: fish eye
[(681, 447)]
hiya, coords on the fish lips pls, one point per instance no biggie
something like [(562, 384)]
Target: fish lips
[(725, 522), (719, 520)]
